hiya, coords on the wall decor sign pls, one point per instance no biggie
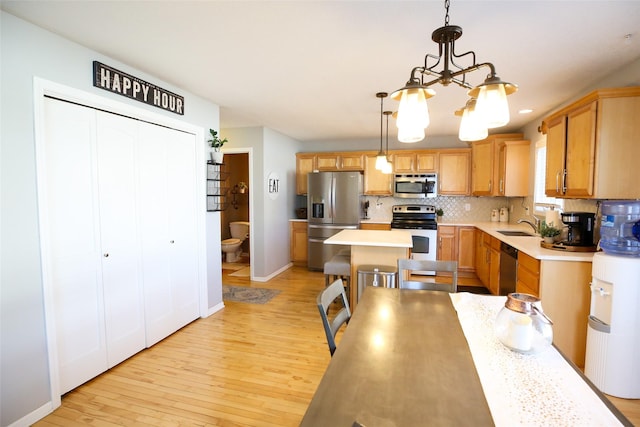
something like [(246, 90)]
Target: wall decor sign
[(116, 81), (273, 185)]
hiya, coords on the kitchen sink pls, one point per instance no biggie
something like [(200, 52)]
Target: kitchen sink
[(514, 233)]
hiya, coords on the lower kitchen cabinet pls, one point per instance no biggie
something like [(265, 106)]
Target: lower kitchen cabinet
[(298, 243), (456, 243), (487, 261), (375, 226), (528, 275)]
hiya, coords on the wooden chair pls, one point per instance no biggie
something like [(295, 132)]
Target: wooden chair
[(332, 325), (405, 266)]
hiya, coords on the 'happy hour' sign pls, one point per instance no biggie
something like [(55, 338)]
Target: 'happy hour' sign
[(108, 78)]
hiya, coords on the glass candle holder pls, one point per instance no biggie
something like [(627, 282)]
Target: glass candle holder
[(522, 326)]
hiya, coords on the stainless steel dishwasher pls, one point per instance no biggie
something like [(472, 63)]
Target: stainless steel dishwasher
[(508, 268)]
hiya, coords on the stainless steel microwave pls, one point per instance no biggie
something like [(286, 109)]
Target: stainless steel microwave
[(415, 186)]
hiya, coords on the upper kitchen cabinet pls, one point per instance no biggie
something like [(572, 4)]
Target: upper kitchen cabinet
[(415, 161), (453, 172), (376, 183), (305, 163), (592, 146), (500, 166), (340, 162)]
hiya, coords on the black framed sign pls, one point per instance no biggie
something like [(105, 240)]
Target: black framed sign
[(116, 81)]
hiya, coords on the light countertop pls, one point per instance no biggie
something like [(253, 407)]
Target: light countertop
[(381, 238), (530, 244)]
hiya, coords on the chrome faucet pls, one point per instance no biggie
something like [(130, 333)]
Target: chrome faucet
[(535, 226)]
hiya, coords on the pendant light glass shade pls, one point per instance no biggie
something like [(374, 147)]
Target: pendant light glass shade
[(381, 161), (472, 126), (388, 168), (492, 104), (413, 113)]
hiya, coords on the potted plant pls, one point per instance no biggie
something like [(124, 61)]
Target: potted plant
[(439, 213), (216, 143), (548, 232)]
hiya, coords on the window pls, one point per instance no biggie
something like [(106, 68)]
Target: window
[(540, 201)]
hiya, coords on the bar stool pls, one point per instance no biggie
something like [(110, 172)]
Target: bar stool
[(338, 267)]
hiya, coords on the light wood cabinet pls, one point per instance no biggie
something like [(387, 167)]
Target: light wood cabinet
[(592, 146), (374, 226), (457, 243), (487, 261), (305, 163), (482, 258), (342, 161), (412, 162), (500, 166), (528, 275), (298, 242), (376, 183), (453, 172)]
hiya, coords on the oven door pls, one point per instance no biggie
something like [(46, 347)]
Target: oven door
[(424, 247)]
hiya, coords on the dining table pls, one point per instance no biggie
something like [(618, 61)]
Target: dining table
[(430, 358)]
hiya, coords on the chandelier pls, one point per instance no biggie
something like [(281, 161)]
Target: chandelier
[(487, 107)]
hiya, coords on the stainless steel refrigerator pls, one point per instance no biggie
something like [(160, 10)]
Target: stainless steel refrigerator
[(334, 203)]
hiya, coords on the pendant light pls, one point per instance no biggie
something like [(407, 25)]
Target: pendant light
[(381, 158), (491, 107), (388, 166), (472, 126)]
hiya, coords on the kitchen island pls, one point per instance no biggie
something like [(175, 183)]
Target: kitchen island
[(372, 247)]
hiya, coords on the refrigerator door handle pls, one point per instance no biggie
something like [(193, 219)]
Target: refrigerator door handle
[(333, 197)]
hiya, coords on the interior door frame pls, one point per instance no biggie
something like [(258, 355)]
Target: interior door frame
[(42, 88), (248, 151)]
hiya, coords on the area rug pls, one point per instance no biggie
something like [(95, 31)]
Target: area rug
[(248, 295)]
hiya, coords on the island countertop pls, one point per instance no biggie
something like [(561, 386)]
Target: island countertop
[(386, 238)]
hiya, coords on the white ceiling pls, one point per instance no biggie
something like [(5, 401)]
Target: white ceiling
[(310, 69)]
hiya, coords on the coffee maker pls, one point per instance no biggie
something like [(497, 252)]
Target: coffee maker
[(579, 228)]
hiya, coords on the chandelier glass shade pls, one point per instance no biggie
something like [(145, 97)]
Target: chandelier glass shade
[(472, 126), (491, 106)]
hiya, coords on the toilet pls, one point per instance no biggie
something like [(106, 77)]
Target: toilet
[(232, 248)]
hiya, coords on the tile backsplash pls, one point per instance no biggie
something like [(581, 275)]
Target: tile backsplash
[(469, 209)]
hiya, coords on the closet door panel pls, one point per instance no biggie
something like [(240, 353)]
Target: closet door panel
[(182, 210), (154, 231), (124, 310), (73, 244)]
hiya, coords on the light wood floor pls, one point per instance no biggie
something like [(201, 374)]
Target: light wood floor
[(247, 365)]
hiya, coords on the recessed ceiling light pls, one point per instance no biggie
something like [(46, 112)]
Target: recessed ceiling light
[(525, 111)]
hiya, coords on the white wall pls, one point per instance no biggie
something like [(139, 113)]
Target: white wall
[(27, 52), (273, 152)]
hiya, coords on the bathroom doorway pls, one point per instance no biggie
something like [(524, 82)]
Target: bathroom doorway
[(237, 165)]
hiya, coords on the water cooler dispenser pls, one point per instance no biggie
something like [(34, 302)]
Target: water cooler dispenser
[(613, 335)]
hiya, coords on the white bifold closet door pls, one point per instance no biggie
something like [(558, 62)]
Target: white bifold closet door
[(168, 230), (122, 245)]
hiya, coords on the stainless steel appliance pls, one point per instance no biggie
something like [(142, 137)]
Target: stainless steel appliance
[(508, 268), (334, 203), (420, 220), (415, 186)]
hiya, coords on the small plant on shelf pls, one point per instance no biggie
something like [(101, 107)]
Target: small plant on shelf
[(439, 212), (215, 142)]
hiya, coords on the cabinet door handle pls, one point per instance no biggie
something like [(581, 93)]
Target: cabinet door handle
[(489, 186), (564, 181), (557, 183), (501, 185)]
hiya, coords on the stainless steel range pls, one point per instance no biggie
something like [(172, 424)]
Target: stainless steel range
[(420, 220)]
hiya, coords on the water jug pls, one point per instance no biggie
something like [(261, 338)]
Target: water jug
[(620, 227)]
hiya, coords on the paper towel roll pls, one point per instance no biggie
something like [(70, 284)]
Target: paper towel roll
[(553, 216)]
